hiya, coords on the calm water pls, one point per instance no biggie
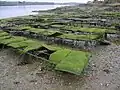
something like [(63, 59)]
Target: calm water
[(13, 11)]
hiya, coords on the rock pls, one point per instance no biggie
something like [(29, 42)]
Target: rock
[(117, 27), (107, 84), (105, 42), (33, 80), (107, 71), (101, 84), (17, 82)]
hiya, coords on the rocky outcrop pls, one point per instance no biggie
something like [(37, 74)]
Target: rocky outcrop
[(111, 1)]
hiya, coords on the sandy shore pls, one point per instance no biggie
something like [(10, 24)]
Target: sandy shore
[(102, 74)]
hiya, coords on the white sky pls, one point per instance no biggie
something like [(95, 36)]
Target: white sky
[(81, 1)]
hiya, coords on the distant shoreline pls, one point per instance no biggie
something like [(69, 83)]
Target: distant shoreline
[(27, 5), (5, 3), (32, 5)]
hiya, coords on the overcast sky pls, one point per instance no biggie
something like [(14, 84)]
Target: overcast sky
[(81, 1)]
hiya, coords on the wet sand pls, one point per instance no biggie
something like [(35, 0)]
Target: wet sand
[(103, 73)]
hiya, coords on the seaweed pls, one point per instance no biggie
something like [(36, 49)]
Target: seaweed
[(4, 37), (13, 39), (52, 47), (32, 46), (65, 59), (3, 34), (80, 37), (59, 55), (90, 30), (75, 62)]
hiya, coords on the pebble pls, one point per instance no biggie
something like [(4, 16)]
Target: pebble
[(101, 84), (36, 83), (33, 80), (107, 71), (107, 84), (16, 82)]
